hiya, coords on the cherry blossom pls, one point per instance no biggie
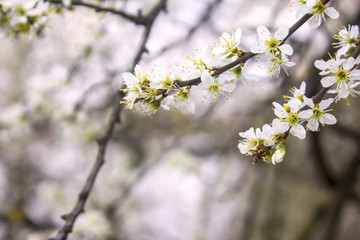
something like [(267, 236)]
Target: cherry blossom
[(320, 115), (348, 38)]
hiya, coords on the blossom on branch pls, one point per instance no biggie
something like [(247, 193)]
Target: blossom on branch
[(320, 115), (340, 72), (271, 50), (347, 40), (293, 116), (227, 47), (216, 84), (24, 17), (317, 9)]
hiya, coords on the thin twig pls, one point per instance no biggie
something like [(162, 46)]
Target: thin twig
[(103, 142), (246, 55), (140, 20)]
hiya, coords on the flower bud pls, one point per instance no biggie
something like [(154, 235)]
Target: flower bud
[(278, 156)]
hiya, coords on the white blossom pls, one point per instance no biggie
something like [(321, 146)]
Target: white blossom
[(217, 84), (290, 114), (319, 10), (298, 93), (347, 38), (269, 43), (134, 84), (227, 47), (253, 138), (320, 115), (278, 156), (278, 128), (271, 50), (273, 63), (66, 3), (301, 7), (339, 71)]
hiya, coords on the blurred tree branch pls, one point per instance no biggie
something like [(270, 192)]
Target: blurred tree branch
[(140, 20), (103, 142)]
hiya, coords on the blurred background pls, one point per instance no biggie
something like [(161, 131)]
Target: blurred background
[(173, 175)]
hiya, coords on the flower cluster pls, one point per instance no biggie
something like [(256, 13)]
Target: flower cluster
[(348, 39), (340, 72), (24, 17), (272, 50), (148, 92), (268, 143), (220, 71), (317, 8)]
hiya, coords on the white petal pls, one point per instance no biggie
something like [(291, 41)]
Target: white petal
[(343, 50), (258, 47), (197, 90), (218, 50), (278, 156), (306, 114), (264, 33), (302, 87), (287, 49), (191, 107), (129, 79), (308, 101), (225, 38), (289, 64), (298, 131), (328, 119), (66, 3), (311, 3), (328, 81), (315, 21), (324, 104), (244, 148), (237, 35), (331, 12), (295, 104), (354, 75), (229, 87), (354, 31), (313, 124), (321, 64), (207, 79), (342, 90), (138, 70), (281, 33), (279, 126), (251, 133), (280, 111), (348, 63)]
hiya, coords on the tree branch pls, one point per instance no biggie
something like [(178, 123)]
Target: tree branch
[(246, 56), (140, 20), (103, 142)]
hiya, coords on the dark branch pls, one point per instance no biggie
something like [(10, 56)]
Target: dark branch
[(103, 142), (246, 56), (135, 19)]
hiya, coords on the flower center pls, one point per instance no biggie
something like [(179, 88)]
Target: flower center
[(215, 87), (317, 113), (272, 44), (342, 75), (184, 93), (319, 8), (293, 119)]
